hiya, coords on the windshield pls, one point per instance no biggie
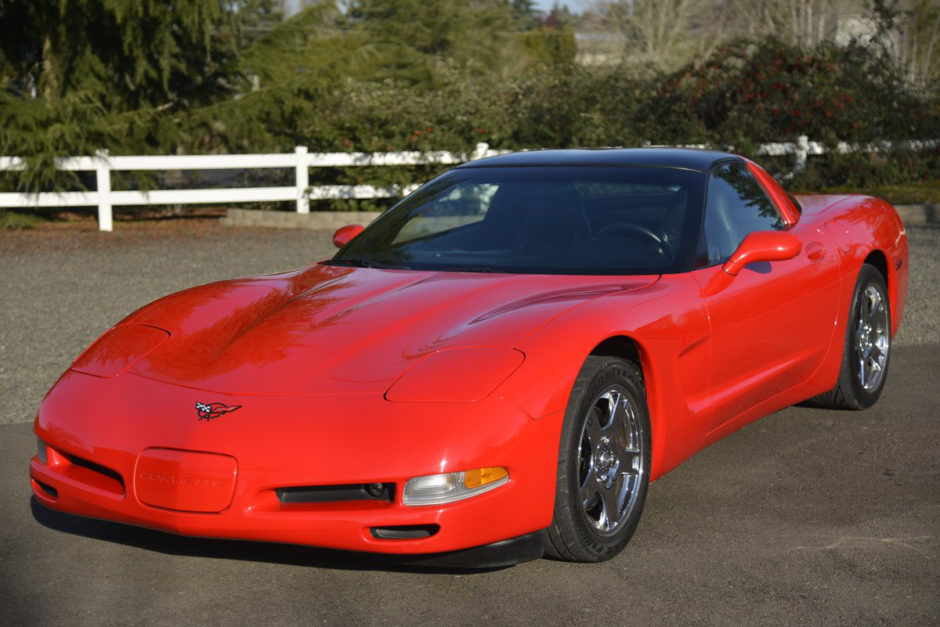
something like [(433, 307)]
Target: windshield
[(557, 220)]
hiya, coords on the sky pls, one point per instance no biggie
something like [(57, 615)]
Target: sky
[(574, 5)]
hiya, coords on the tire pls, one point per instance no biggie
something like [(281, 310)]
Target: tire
[(867, 348), (603, 463)]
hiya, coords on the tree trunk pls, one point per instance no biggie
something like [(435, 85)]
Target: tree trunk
[(48, 80)]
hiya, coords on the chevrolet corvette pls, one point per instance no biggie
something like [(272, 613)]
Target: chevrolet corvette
[(495, 369)]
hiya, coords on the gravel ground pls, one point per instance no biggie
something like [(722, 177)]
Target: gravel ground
[(63, 285), (919, 325)]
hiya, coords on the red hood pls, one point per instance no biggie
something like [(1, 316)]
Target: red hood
[(328, 329)]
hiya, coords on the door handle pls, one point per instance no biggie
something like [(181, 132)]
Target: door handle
[(815, 251)]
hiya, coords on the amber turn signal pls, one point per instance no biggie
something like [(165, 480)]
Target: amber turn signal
[(452, 486), (479, 477)]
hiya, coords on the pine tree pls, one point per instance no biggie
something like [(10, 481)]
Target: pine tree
[(126, 53), (80, 75), (418, 37)]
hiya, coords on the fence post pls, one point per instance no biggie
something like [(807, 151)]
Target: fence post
[(801, 149), (303, 179), (480, 151), (103, 171)]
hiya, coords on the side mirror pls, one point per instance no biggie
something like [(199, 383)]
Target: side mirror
[(344, 234), (763, 246)]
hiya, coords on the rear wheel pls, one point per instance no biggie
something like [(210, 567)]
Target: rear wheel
[(867, 346), (603, 463)]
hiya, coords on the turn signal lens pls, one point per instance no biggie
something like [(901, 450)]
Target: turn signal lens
[(480, 477), (453, 486), (42, 453)]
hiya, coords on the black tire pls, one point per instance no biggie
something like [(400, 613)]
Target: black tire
[(603, 463), (867, 349)]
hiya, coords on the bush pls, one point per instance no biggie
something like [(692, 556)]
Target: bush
[(770, 91)]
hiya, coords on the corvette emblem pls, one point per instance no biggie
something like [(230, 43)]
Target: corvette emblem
[(208, 411)]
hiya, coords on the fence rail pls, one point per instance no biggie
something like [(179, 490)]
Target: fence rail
[(301, 160), (802, 148)]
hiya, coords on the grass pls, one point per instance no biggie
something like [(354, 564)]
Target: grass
[(11, 220)]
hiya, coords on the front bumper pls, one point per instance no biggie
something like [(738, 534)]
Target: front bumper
[(98, 430)]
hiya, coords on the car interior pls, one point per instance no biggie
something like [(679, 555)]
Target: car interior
[(564, 224)]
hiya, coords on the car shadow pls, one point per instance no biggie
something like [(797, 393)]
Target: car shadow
[(288, 554)]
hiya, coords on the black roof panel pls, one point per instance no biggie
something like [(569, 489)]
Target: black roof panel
[(685, 158)]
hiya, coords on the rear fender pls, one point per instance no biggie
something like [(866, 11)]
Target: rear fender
[(870, 225)]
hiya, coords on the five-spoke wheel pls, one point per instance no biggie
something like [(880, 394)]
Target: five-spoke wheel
[(610, 467), (872, 337), (867, 346), (603, 462)]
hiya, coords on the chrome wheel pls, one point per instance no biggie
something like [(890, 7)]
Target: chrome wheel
[(872, 339), (610, 461), (867, 348), (603, 462)]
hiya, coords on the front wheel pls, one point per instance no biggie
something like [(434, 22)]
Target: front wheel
[(867, 346), (603, 463)]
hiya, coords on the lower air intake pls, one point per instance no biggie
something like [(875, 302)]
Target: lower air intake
[(404, 532)]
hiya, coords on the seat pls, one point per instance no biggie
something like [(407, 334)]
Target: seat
[(553, 221)]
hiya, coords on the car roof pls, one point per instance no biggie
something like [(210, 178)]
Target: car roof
[(684, 158)]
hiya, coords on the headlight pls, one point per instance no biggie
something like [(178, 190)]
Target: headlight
[(455, 375), (453, 486), (119, 349)]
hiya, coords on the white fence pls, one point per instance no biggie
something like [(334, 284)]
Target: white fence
[(803, 148), (301, 192)]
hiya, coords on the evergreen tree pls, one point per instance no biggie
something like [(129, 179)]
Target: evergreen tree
[(127, 54), (418, 37), (77, 76), (312, 46)]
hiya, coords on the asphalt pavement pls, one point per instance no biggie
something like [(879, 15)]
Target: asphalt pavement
[(807, 516)]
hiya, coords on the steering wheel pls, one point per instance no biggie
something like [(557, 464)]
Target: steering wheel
[(631, 231)]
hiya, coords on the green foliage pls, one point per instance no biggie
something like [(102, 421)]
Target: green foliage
[(774, 92), (254, 19), (552, 47), (127, 54), (416, 38), (13, 221), (575, 108), (310, 45), (43, 130), (77, 76), (870, 171), (525, 14)]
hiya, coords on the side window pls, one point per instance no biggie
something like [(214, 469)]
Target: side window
[(736, 206)]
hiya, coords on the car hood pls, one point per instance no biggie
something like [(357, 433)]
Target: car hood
[(332, 330)]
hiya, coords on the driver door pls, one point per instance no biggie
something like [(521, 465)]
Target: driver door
[(772, 324)]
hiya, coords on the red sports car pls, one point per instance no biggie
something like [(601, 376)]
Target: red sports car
[(497, 367)]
